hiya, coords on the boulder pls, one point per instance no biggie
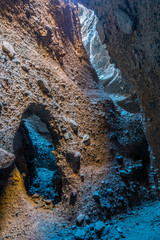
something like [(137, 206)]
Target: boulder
[(6, 166), (6, 158), (7, 48), (125, 21), (43, 85)]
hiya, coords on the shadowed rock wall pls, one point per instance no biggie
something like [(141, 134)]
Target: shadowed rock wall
[(132, 33)]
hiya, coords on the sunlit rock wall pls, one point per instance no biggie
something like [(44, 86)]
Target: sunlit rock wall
[(93, 38), (117, 86)]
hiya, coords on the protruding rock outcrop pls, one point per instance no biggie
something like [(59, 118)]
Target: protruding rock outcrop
[(6, 166)]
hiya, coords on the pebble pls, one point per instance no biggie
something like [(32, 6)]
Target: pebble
[(82, 177), (36, 195), (119, 230), (16, 61), (48, 201), (26, 69), (74, 157), (123, 173), (68, 135), (86, 140), (74, 126), (35, 18), (48, 27), (87, 219), (73, 196)]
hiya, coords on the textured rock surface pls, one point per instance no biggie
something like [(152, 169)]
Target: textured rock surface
[(132, 30), (47, 41), (60, 59)]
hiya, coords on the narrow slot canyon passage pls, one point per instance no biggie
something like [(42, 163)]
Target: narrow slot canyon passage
[(79, 120)]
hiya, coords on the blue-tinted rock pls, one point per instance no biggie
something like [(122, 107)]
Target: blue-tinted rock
[(124, 173), (43, 184), (119, 159), (80, 234), (91, 226), (110, 191), (99, 227), (80, 220), (97, 196), (87, 219)]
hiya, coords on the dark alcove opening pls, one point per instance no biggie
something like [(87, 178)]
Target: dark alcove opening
[(34, 146)]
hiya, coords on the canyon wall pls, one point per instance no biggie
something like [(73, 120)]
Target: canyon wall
[(71, 152), (118, 87), (132, 33)]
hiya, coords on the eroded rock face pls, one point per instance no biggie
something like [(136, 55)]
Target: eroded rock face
[(132, 30), (6, 166), (47, 43)]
